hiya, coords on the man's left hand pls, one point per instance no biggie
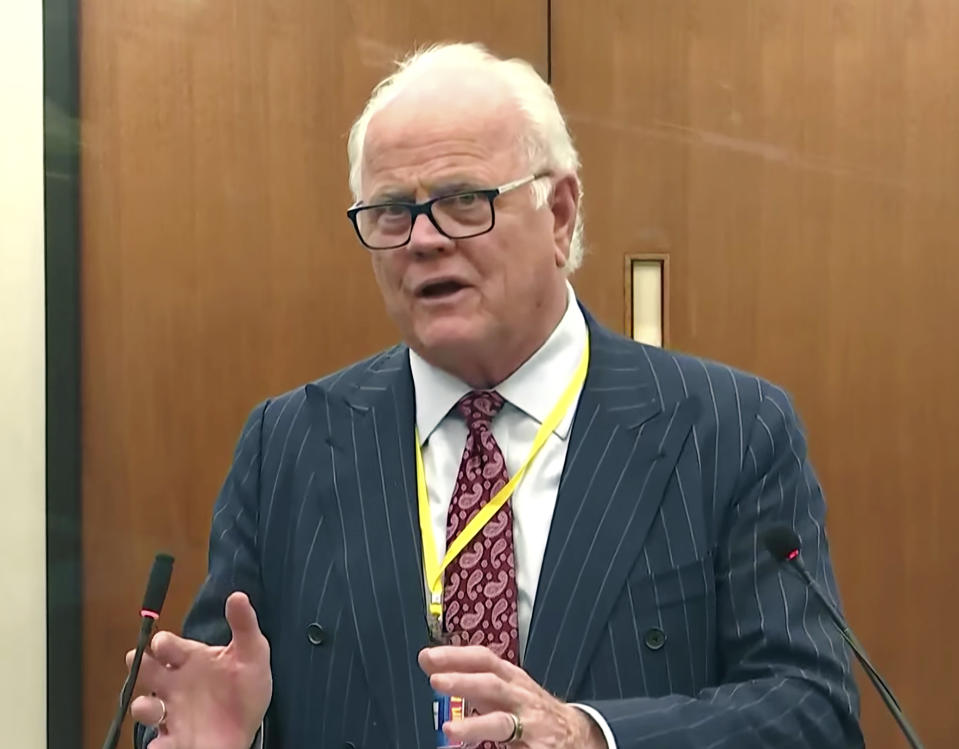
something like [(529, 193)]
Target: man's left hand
[(498, 690)]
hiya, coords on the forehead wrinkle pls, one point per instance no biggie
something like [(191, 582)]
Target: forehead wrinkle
[(409, 169)]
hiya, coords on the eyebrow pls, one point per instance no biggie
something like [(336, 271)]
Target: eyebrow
[(403, 195), (392, 195), (451, 188)]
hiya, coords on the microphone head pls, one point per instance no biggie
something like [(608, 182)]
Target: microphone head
[(782, 542), (158, 583)]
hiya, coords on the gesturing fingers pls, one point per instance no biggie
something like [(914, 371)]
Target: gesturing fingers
[(247, 638), (484, 691), (499, 727), (154, 676), (170, 650), (165, 648), (148, 710), (470, 659)]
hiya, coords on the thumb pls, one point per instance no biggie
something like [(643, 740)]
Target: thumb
[(243, 623)]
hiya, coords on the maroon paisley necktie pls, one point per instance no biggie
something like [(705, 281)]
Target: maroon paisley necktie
[(479, 599)]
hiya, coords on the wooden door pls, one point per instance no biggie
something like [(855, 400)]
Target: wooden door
[(798, 161), (218, 266)]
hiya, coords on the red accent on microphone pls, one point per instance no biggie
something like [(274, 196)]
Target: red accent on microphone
[(154, 615), (792, 554)]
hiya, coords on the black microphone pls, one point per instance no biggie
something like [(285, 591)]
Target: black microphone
[(150, 611), (783, 544)]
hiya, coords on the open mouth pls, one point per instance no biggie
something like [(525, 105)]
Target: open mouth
[(440, 289)]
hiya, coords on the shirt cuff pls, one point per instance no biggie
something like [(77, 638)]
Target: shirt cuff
[(601, 722)]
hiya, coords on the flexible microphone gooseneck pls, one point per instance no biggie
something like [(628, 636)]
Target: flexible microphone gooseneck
[(783, 544), (150, 611)]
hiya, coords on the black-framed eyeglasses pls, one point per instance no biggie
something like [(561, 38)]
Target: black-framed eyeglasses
[(387, 226)]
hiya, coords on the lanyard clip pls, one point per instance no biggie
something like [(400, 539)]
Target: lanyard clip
[(434, 623)]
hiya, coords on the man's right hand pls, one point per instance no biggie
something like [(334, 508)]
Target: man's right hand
[(215, 696)]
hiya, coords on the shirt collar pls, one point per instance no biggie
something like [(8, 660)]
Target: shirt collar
[(534, 388)]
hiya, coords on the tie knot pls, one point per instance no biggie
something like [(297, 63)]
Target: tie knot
[(479, 407)]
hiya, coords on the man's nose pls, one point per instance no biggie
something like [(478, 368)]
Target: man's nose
[(426, 239)]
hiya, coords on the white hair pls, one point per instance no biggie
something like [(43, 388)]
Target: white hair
[(547, 143)]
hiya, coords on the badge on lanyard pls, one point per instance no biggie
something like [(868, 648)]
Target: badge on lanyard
[(445, 708)]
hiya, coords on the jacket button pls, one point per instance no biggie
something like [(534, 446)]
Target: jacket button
[(316, 634), (654, 638)]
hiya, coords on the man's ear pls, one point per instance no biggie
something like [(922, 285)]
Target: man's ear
[(563, 204)]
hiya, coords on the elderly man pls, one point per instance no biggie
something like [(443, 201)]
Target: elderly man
[(572, 516)]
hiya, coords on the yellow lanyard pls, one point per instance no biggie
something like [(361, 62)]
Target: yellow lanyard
[(434, 568)]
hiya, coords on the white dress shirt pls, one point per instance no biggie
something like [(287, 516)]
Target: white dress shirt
[(531, 393)]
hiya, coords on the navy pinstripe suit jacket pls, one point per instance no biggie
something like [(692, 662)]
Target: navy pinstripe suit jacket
[(656, 604)]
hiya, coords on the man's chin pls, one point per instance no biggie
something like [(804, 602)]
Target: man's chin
[(440, 339)]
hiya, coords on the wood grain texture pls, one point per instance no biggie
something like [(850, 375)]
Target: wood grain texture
[(218, 266), (798, 162)]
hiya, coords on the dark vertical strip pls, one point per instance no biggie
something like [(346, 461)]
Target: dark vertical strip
[(549, 42), (61, 224)]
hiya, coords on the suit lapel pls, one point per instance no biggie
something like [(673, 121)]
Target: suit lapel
[(370, 442), (623, 447)]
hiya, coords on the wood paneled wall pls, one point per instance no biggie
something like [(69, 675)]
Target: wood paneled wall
[(799, 163), (796, 159)]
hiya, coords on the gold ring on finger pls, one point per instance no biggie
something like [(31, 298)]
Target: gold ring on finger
[(517, 734)]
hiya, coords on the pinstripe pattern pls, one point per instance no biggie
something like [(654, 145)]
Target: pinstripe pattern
[(674, 465)]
